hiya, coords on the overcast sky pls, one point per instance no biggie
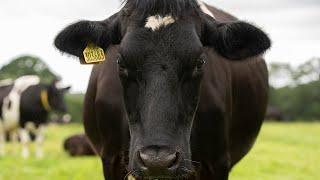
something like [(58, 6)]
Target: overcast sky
[(29, 27)]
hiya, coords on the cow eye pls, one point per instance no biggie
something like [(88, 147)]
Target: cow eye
[(123, 71), (200, 62), (119, 60), (197, 71)]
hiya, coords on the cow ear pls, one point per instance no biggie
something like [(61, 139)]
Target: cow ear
[(235, 40), (74, 38)]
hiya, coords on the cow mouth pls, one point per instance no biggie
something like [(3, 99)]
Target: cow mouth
[(182, 174)]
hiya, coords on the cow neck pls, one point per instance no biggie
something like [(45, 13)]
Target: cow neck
[(45, 100)]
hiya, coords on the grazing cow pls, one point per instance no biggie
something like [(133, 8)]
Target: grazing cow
[(274, 113), (24, 107), (78, 145), (182, 93)]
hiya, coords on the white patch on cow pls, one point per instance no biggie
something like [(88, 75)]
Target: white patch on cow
[(66, 118), (2, 139), (205, 9), (59, 85), (31, 127), (39, 141), (6, 82), (157, 21), (11, 103), (24, 139)]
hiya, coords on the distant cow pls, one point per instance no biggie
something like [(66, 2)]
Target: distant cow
[(182, 93), (78, 145), (274, 113), (24, 107)]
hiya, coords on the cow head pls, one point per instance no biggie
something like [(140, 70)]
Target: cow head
[(56, 96), (161, 60)]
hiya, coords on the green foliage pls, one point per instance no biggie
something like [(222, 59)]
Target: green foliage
[(74, 104), (300, 102), (27, 65), (300, 99)]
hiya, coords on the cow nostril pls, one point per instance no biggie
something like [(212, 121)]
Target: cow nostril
[(158, 160)]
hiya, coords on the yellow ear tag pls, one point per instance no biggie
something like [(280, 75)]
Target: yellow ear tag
[(93, 54), (130, 177)]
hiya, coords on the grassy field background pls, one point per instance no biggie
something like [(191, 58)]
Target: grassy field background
[(284, 151)]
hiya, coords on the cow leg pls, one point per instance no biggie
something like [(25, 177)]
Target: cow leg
[(13, 136), (39, 141), (2, 139), (25, 140)]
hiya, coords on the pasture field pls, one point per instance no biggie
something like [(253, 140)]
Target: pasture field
[(284, 151)]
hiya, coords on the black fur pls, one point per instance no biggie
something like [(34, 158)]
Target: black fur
[(74, 39), (163, 7), (164, 95), (235, 40)]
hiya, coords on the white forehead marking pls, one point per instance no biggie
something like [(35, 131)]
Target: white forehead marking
[(205, 9), (155, 22)]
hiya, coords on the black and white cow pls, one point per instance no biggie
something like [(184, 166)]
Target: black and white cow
[(24, 107)]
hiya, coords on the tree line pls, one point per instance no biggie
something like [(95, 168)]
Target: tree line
[(296, 93)]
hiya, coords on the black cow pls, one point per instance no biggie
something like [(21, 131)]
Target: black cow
[(24, 107), (78, 145), (182, 93), (274, 113)]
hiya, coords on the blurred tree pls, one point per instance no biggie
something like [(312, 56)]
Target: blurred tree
[(301, 98), (283, 74), (27, 65), (309, 71)]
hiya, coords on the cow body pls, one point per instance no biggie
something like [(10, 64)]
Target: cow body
[(230, 113), (25, 104), (149, 118)]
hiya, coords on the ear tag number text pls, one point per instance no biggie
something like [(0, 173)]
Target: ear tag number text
[(93, 54)]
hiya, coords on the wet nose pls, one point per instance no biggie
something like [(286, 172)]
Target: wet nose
[(158, 158)]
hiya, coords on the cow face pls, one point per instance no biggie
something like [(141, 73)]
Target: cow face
[(161, 62), (161, 72), (56, 97)]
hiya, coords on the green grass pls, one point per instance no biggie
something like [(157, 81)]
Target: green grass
[(282, 152), (56, 164)]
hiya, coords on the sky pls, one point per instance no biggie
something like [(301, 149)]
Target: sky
[(29, 27)]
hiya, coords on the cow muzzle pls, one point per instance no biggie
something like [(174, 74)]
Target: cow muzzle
[(156, 161)]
